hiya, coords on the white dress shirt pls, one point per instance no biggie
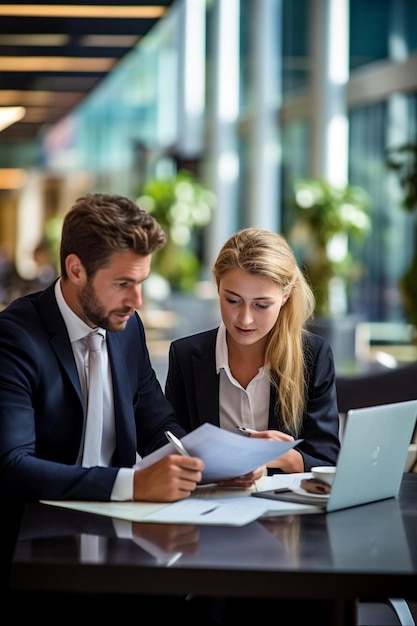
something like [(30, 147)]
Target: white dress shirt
[(77, 330), (238, 406)]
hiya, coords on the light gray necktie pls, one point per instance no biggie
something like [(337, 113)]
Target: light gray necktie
[(94, 423)]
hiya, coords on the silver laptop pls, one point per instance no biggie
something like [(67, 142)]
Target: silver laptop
[(371, 461), (373, 454)]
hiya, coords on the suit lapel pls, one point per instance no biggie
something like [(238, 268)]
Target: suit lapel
[(123, 409), (207, 384), (59, 340)]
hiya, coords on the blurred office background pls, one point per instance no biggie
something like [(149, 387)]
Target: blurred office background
[(254, 99)]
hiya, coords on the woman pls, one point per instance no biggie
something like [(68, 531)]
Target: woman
[(261, 368)]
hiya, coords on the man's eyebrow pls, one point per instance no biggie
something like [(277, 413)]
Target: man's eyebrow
[(125, 279)]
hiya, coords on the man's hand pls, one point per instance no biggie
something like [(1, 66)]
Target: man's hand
[(172, 478)]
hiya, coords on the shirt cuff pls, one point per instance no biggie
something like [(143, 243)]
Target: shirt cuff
[(123, 485)]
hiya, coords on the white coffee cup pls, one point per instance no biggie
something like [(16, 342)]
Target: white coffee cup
[(326, 473)]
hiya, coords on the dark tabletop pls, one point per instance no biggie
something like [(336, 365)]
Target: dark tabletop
[(368, 551)]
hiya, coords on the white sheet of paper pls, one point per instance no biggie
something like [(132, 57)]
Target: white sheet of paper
[(208, 505), (234, 512), (225, 454), (131, 511), (189, 511), (275, 507)]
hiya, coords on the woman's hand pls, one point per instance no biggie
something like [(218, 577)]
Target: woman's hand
[(273, 435), (290, 462), (246, 481)]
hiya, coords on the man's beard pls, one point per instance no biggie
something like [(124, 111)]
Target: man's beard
[(94, 311)]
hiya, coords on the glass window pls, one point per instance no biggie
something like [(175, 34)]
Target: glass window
[(295, 36), (368, 32)]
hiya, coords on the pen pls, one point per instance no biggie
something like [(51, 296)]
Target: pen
[(176, 443), (214, 508), (245, 430)]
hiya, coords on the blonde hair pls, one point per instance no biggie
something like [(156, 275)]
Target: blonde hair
[(267, 254)]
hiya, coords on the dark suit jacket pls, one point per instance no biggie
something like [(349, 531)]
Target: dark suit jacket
[(41, 404), (192, 387)]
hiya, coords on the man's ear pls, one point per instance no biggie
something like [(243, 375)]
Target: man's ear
[(75, 269)]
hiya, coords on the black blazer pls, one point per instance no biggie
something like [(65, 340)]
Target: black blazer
[(192, 387), (41, 404)]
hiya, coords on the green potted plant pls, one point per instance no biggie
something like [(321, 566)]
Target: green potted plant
[(183, 206), (326, 218)]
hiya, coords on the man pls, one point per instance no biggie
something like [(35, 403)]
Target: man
[(106, 250)]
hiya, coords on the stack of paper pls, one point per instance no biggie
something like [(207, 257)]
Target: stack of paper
[(226, 455)]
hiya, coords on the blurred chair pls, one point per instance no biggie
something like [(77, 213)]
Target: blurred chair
[(385, 342), (395, 612), (381, 387)]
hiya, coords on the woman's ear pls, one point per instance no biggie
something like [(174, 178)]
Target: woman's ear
[(285, 297)]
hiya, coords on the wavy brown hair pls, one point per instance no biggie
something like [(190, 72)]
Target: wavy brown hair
[(98, 225), (267, 254)]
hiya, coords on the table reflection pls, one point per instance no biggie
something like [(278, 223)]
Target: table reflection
[(349, 540), (50, 532)]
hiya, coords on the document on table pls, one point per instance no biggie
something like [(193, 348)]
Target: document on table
[(275, 507), (208, 505), (225, 454), (188, 511), (277, 481)]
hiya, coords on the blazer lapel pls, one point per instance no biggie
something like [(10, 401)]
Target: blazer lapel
[(123, 409), (206, 386), (59, 340)]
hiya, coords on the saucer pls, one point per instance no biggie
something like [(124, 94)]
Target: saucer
[(313, 496)]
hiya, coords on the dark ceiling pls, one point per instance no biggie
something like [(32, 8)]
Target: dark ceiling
[(69, 54)]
